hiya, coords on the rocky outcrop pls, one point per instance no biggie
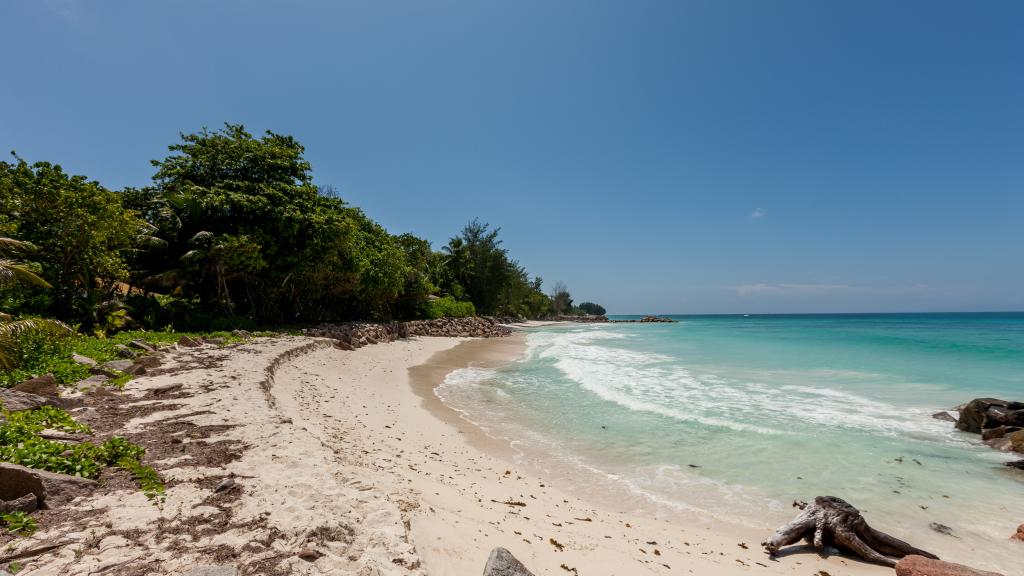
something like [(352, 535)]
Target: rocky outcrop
[(1016, 441), (16, 401), (1000, 422), (501, 562), (358, 334), (921, 566), (647, 320), (983, 413), (189, 342), (49, 488), (45, 385), (582, 319)]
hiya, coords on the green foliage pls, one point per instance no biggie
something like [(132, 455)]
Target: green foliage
[(149, 481), (475, 267), (20, 443), (448, 307), (591, 308), (233, 234), (43, 354), (81, 231), (19, 523)]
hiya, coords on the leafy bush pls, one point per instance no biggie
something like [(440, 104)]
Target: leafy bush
[(449, 307), (19, 523), (21, 444), (42, 354)]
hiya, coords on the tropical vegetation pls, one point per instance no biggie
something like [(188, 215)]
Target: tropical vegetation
[(233, 233)]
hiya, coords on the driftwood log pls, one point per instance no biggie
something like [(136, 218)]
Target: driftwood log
[(832, 521)]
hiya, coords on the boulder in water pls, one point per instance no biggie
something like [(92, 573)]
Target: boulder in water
[(984, 413)]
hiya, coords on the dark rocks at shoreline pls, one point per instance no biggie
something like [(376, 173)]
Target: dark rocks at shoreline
[(944, 415), (984, 413), (583, 319), (353, 335), (647, 320), (1018, 464), (999, 422)]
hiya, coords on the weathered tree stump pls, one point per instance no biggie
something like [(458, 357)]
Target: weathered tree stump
[(832, 521)]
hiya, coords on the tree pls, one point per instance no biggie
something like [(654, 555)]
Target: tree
[(561, 301), (591, 308), (80, 228), (14, 273)]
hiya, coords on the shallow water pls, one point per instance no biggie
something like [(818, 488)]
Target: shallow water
[(738, 416)]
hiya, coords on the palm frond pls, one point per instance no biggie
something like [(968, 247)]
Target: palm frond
[(17, 245), (10, 331), (12, 272)]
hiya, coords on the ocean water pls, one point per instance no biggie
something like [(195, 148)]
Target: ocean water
[(737, 416)]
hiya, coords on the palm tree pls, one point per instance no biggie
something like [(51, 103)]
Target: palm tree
[(14, 273)]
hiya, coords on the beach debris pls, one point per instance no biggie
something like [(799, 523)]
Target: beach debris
[(832, 521), (941, 528), (558, 545), (501, 562), (189, 342), (309, 554), (568, 569), (799, 504), (510, 502), (916, 565)]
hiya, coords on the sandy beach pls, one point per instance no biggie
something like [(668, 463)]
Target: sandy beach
[(344, 462)]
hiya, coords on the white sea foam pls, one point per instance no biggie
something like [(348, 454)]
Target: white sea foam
[(661, 384)]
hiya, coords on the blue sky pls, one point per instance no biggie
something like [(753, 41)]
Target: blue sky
[(745, 156)]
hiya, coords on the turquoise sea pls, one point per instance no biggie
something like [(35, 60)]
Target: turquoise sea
[(737, 416)]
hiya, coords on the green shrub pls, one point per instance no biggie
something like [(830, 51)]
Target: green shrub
[(19, 523), (448, 307), (21, 444)]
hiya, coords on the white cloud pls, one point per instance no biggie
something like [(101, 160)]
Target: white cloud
[(64, 8), (757, 213)]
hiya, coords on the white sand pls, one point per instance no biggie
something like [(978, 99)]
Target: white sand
[(353, 460)]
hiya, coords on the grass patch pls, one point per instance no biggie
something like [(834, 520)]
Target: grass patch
[(45, 354)]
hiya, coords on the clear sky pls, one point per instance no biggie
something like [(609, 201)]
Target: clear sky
[(744, 156)]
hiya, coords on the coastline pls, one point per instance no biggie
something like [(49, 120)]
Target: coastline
[(344, 464), (608, 539)]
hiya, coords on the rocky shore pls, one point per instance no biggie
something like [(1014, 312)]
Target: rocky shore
[(999, 422), (351, 335), (647, 320)]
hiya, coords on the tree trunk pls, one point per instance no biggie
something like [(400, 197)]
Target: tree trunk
[(831, 521)]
